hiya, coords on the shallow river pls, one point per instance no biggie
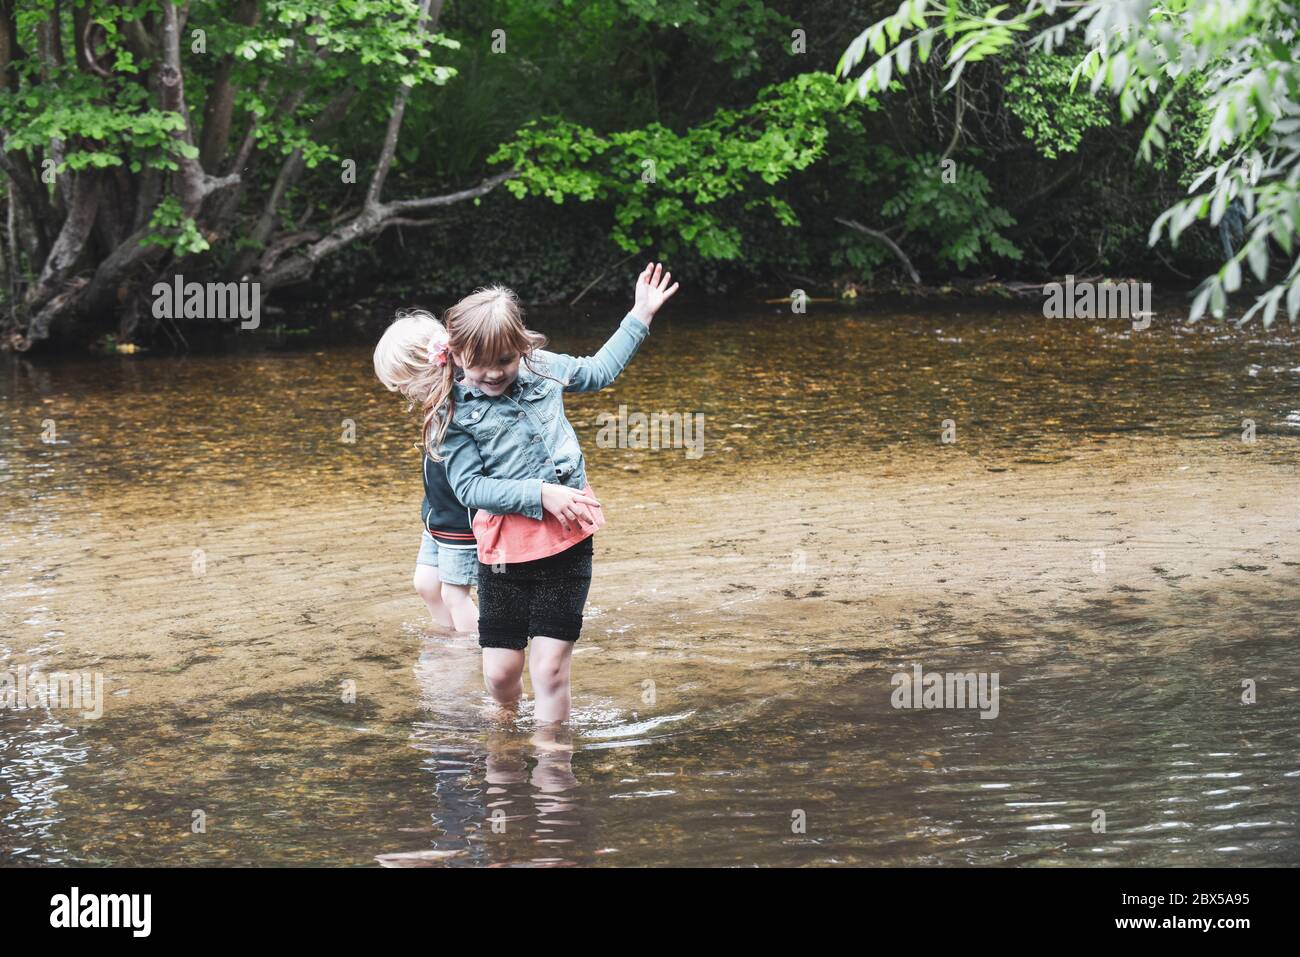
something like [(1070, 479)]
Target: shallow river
[(1103, 533)]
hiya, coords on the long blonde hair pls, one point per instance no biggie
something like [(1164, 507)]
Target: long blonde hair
[(481, 328)]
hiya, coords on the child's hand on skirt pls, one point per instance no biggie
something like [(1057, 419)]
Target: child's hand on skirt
[(568, 505)]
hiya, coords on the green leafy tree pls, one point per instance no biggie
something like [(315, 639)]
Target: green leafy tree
[(1239, 60), (666, 188), (139, 134)]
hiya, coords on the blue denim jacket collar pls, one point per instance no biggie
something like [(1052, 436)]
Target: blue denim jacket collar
[(460, 392)]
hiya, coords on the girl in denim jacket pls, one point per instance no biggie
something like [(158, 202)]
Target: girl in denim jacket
[(494, 414)]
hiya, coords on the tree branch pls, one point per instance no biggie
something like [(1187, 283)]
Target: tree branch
[(195, 184), (893, 246), (369, 221), (71, 239), (956, 121), (395, 116), (290, 171), (448, 199), (220, 105), (41, 213), (10, 53)]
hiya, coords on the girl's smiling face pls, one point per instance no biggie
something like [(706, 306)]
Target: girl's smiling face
[(494, 377)]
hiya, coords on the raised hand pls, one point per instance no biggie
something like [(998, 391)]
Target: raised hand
[(652, 291)]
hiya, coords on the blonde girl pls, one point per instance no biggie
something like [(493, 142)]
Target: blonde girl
[(447, 563)]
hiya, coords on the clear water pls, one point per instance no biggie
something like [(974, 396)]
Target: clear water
[(1099, 535)]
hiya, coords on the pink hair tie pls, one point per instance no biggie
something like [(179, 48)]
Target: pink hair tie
[(437, 349)]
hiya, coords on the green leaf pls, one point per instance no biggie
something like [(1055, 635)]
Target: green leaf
[(1198, 304), (1231, 275), (1257, 255)]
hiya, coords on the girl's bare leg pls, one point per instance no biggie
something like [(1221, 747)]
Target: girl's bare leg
[(463, 611), (548, 666), (503, 673), (429, 587)]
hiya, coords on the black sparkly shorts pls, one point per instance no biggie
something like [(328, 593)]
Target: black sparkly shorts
[(526, 599)]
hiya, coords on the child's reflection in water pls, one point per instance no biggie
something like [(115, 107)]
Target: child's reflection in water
[(551, 777), (528, 776)]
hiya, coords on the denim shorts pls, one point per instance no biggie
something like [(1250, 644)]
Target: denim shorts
[(526, 599), (456, 566)]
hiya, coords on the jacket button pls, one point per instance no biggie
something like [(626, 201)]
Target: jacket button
[(537, 438), (519, 415)]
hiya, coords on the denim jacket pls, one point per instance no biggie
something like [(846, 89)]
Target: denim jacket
[(500, 449)]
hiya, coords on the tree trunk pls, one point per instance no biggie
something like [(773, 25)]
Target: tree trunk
[(71, 239), (221, 98)]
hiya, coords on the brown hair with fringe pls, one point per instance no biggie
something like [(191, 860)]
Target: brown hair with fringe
[(482, 327)]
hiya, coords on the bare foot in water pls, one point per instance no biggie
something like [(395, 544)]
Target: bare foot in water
[(501, 715), (552, 736)]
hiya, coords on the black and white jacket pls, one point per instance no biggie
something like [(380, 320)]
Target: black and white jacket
[(444, 517)]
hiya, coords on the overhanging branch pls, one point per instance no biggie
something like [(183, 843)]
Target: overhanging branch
[(882, 238)]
